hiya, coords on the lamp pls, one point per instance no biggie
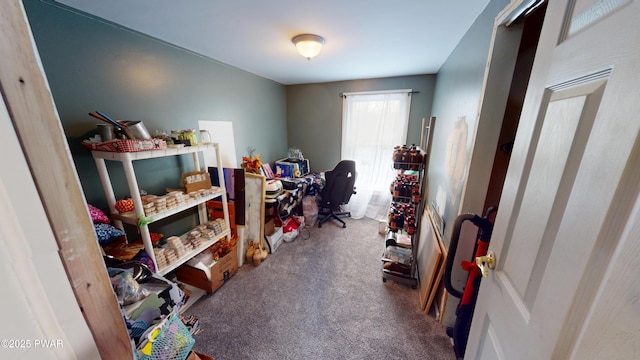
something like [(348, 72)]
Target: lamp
[(308, 45)]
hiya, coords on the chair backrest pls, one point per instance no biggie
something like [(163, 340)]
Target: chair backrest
[(340, 183)]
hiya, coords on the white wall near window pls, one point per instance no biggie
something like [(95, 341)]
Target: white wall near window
[(372, 124)]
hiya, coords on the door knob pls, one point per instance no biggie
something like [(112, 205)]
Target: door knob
[(486, 263)]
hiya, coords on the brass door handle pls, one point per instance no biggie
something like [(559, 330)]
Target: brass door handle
[(486, 263)]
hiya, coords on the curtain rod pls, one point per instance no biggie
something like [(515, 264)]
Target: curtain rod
[(409, 92)]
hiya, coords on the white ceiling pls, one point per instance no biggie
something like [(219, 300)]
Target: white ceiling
[(364, 38)]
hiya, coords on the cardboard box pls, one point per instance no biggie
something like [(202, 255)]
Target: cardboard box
[(196, 180), (221, 271), (275, 238), (270, 226)]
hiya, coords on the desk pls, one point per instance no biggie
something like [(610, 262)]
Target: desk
[(289, 201)]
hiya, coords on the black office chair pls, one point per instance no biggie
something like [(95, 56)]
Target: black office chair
[(339, 186)]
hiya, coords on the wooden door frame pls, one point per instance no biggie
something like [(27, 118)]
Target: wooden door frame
[(501, 62), (34, 116), (616, 215)]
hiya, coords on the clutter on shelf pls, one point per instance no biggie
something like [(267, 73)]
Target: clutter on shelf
[(215, 211), (124, 205), (400, 255), (288, 200), (170, 339), (196, 180), (126, 145), (156, 204), (402, 217), (407, 157), (213, 267), (176, 247), (252, 163), (150, 303), (105, 232), (150, 306), (406, 188), (223, 247), (292, 168), (165, 255), (133, 136), (408, 191)]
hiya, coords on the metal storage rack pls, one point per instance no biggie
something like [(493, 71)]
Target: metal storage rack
[(135, 217), (409, 277)]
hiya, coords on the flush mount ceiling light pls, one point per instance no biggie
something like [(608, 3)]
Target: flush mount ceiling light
[(308, 45)]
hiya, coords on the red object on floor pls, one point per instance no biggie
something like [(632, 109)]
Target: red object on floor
[(290, 224)]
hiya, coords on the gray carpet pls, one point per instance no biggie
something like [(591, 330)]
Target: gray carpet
[(319, 297)]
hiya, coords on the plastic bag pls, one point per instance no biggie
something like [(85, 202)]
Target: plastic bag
[(310, 210), (290, 236), (127, 289), (290, 224)]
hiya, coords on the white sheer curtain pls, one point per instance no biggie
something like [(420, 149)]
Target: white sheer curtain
[(372, 124)]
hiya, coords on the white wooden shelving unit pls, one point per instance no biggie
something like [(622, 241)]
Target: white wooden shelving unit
[(134, 217)]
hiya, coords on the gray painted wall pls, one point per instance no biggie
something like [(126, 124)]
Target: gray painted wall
[(314, 114), (94, 65), (456, 104)]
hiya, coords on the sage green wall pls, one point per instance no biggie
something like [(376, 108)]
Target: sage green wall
[(314, 114), (94, 65), (455, 105)]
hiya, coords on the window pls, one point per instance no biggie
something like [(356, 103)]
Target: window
[(372, 124)]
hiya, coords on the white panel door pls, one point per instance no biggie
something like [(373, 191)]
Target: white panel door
[(566, 237)]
